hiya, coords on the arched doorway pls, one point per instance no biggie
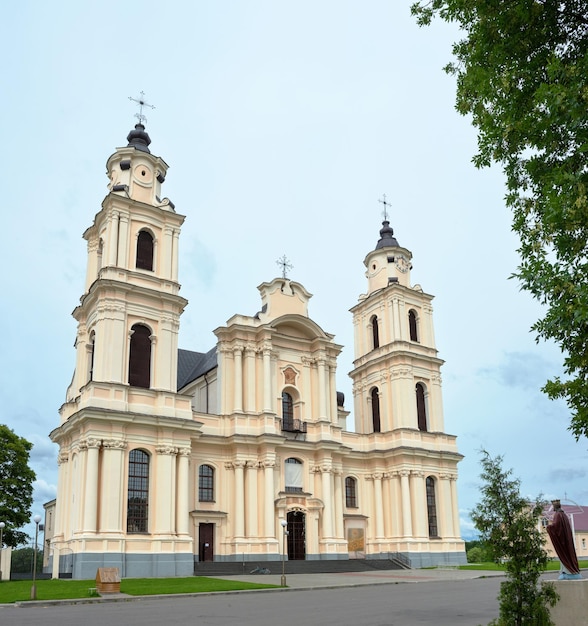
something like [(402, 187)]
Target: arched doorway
[(296, 536)]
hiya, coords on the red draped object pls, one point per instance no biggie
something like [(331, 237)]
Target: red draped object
[(562, 539)]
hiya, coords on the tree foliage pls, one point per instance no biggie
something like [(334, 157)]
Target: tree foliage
[(522, 76), (16, 485), (22, 561), (508, 524)]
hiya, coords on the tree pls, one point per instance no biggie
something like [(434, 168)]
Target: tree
[(509, 526), (22, 561), (16, 485), (522, 75)]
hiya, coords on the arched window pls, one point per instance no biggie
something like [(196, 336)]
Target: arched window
[(287, 410), (432, 507), (421, 407), (205, 483), (293, 475), (144, 251), (375, 409), (412, 325), (140, 357), (350, 492), (138, 492), (375, 332)]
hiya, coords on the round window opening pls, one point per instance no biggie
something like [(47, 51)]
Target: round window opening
[(143, 172), (374, 266)]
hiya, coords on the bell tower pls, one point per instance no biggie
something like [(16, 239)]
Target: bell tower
[(396, 375), (128, 317)]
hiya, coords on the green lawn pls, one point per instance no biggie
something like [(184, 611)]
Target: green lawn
[(20, 590), (552, 566)]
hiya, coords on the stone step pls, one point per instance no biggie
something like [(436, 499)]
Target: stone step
[(202, 568)]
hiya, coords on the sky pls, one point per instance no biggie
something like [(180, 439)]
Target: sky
[(283, 124)]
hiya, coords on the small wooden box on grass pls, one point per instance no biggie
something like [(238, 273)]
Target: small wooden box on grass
[(108, 580)]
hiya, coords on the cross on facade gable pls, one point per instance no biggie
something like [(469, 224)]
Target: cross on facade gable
[(285, 265), (142, 103)]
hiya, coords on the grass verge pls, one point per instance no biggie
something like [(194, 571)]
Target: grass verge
[(552, 566), (20, 590)]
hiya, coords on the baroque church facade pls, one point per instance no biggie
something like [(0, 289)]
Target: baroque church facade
[(169, 456)]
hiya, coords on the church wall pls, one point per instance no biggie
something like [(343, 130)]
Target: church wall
[(232, 420)]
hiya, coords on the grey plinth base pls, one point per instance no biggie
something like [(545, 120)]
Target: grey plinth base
[(573, 600)]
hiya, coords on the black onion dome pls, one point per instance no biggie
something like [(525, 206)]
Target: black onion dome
[(387, 239), (139, 139)]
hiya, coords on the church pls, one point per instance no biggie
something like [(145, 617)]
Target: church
[(168, 457)]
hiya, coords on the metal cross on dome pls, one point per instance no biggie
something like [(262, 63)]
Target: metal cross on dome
[(142, 103), (285, 265), (386, 205)]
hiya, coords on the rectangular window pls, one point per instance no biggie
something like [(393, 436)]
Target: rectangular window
[(206, 484)]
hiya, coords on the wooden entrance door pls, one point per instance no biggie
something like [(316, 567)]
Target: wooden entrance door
[(206, 542), (296, 536)]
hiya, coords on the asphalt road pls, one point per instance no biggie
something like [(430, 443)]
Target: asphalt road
[(440, 603)]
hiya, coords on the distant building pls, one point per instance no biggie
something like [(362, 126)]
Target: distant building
[(169, 456)]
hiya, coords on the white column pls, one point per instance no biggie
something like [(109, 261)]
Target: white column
[(165, 490), (455, 507), (387, 504), (322, 388), (419, 504), (123, 238), (251, 498), (166, 252), (113, 479), (176, 241), (378, 505), (182, 495), (396, 317), (62, 462), (338, 477), (328, 502), (91, 486), (238, 379), (92, 267), (307, 408), (332, 391), (267, 380), (427, 322), (239, 499), (402, 320), (406, 512), (250, 378), (269, 507), (395, 507), (113, 239)]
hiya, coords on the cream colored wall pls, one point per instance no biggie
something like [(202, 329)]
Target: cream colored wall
[(398, 364), (231, 419)]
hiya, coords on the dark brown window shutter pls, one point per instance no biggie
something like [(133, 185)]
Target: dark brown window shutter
[(145, 251), (412, 325), (421, 412), (375, 332), (140, 357), (376, 410)]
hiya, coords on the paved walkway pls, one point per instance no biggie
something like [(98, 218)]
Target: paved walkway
[(354, 579)]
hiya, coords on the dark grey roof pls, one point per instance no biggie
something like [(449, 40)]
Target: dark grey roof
[(139, 138), (387, 239), (192, 365)]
